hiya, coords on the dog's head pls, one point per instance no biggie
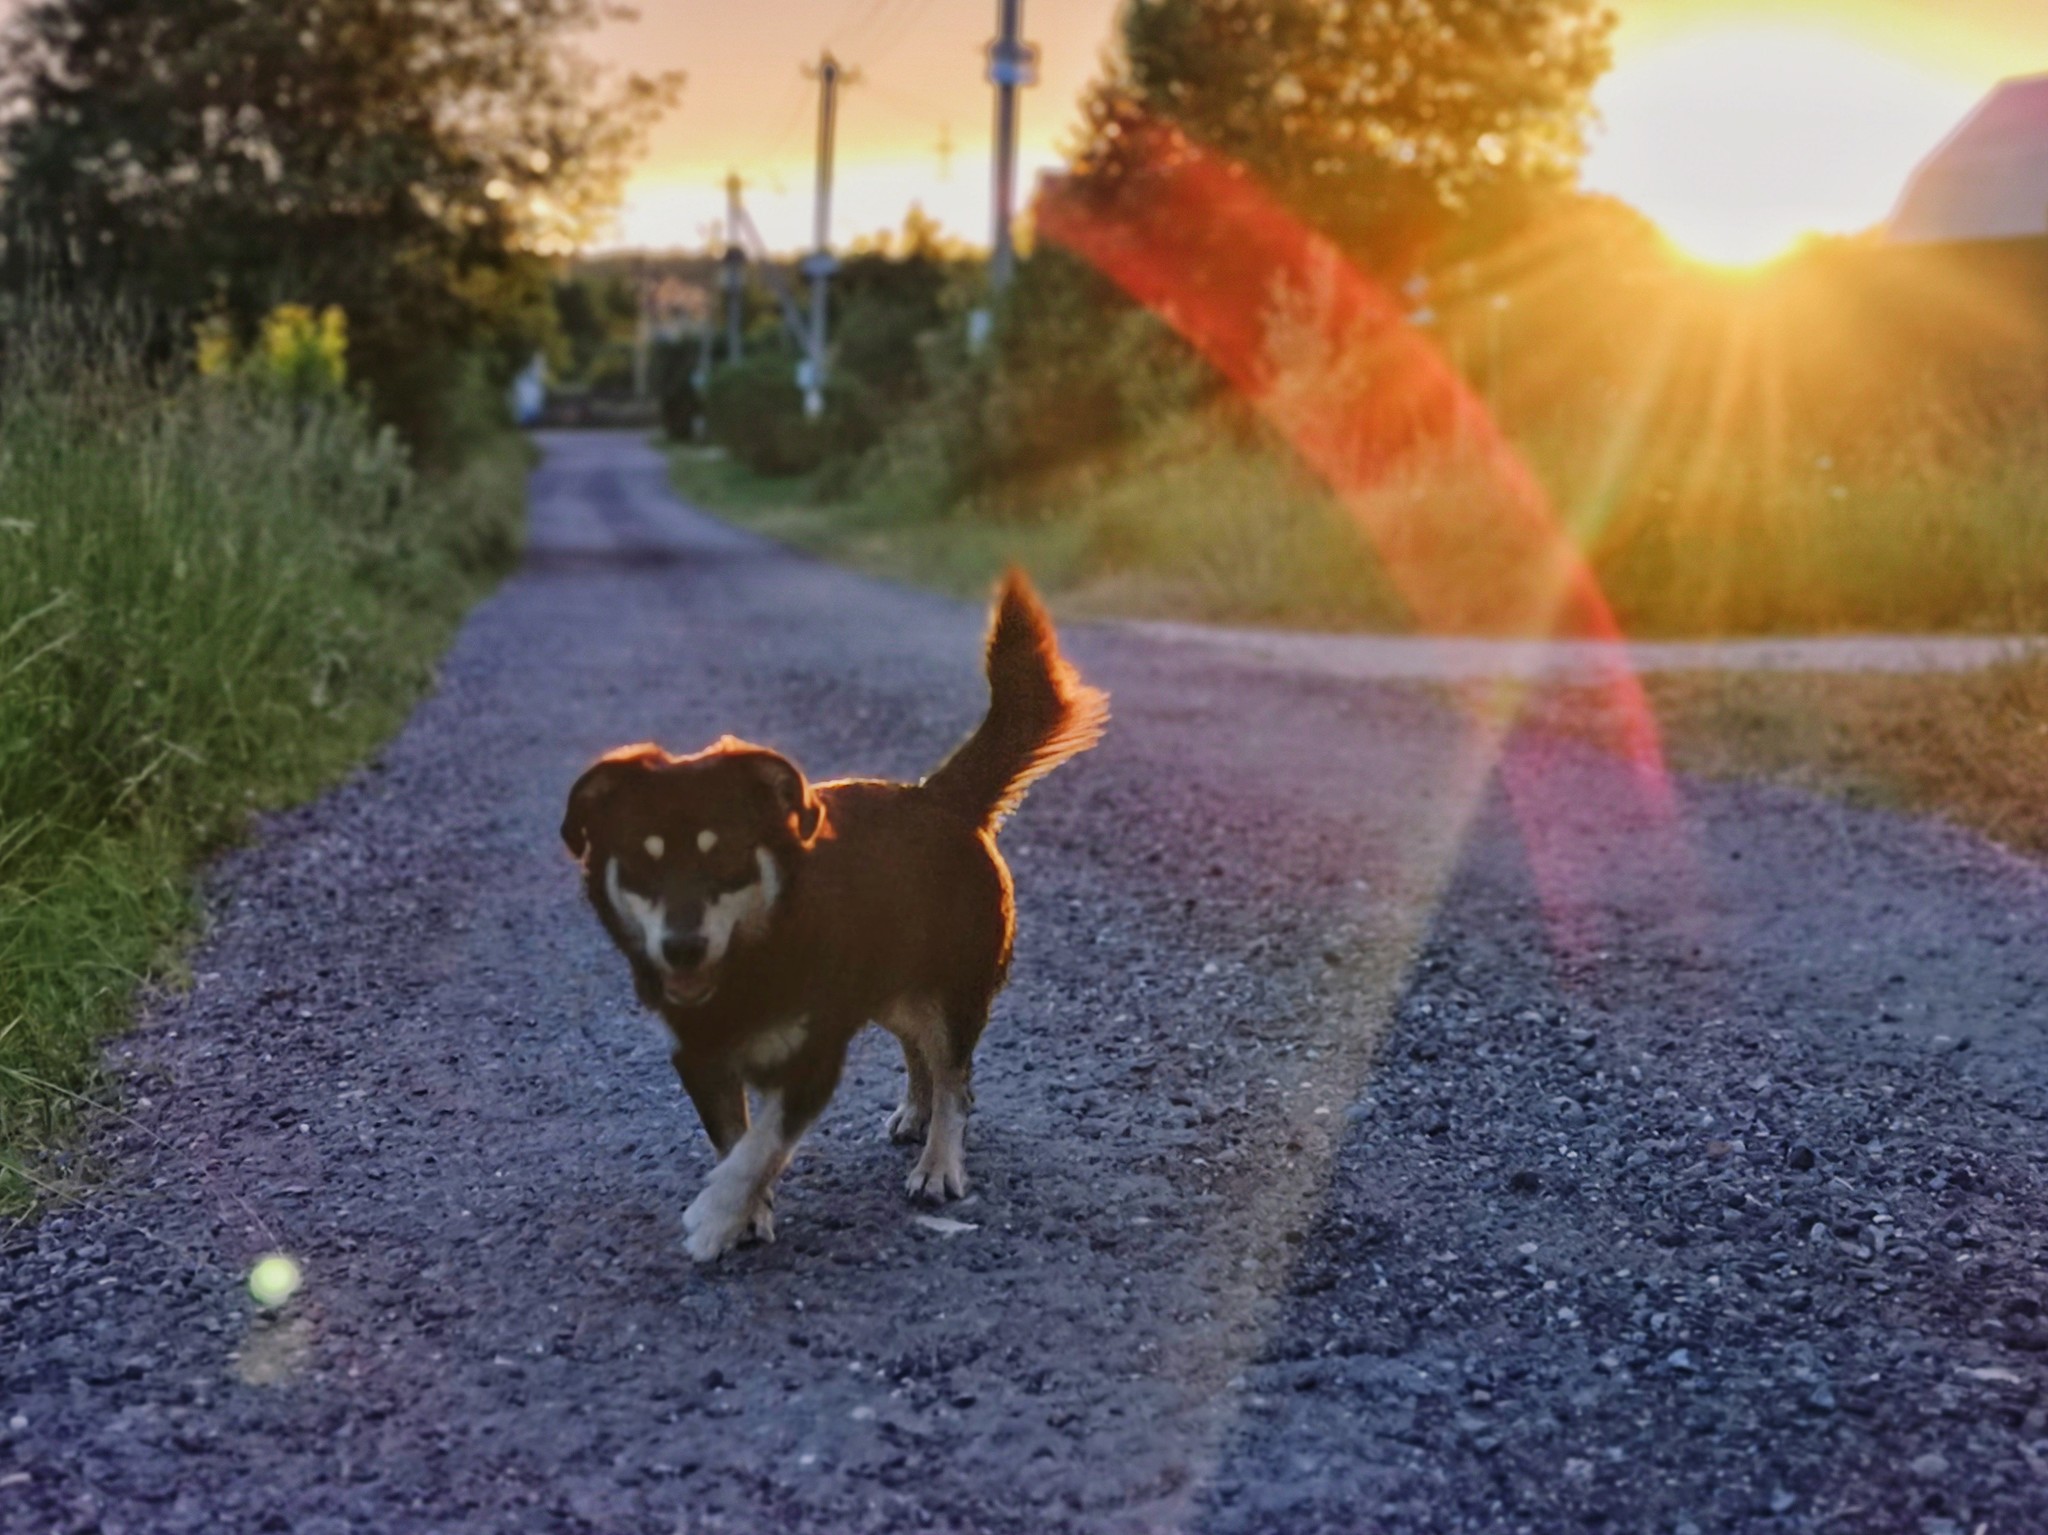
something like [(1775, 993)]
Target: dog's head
[(686, 857)]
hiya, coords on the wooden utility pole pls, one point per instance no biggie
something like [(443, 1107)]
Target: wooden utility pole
[(820, 265), (1012, 64), (735, 270)]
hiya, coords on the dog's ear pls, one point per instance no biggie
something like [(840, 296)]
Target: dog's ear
[(790, 790), (598, 784)]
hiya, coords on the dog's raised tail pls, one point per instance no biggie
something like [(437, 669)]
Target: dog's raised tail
[(1040, 713)]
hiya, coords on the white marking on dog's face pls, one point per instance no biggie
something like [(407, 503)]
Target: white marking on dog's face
[(636, 911), (706, 841), (655, 847), (744, 911)]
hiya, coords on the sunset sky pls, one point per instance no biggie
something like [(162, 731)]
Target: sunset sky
[(1736, 124)]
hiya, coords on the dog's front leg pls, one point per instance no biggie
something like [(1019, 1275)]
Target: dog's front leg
[(714, 1086), (743, 1184), (740, 1185)]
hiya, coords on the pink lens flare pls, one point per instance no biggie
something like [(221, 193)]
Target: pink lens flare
[(1330, 359)]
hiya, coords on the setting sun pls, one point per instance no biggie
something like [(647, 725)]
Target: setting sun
[(1741, 139)]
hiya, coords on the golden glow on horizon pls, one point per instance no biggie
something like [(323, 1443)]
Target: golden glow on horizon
[(1738, 125), (1739, 141)]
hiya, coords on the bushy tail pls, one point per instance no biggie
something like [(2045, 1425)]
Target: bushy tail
[(1040, 713)]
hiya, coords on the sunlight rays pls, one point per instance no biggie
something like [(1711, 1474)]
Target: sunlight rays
[(1742, 136), (1333, 363)]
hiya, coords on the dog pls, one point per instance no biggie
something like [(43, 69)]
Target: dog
[(768, 919)]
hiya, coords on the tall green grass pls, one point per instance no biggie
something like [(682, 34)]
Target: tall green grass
[(213, 599), (1200, 522)]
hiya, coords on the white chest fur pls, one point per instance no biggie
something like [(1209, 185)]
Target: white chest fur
[(774, 1045)]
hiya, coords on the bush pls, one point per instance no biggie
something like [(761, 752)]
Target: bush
[(1074, 371), (213, 597), (756, 412)]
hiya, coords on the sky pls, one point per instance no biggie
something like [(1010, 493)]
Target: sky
[(1738, 125)]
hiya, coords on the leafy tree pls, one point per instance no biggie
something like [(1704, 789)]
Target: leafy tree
[(887, 306), (1390, 124), (412, 161), (597, 312)]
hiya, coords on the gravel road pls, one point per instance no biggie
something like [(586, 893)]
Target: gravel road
[(1317, 1187), (1433, 658)]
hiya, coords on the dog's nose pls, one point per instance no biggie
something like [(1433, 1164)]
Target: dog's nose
[(683, 951)]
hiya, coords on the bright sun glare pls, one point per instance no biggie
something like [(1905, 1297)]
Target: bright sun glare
[(1740, 140)]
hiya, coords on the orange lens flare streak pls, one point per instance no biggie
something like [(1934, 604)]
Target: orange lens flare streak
[(1329, 358)]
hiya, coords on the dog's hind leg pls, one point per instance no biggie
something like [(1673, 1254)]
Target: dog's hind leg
[(941, 1172), (917, 1024), (914, 1113), (938, 1053)]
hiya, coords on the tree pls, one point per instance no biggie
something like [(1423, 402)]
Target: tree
[(1390, 125), (413, 161)]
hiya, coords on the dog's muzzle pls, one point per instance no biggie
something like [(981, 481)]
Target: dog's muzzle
[(689, 990)]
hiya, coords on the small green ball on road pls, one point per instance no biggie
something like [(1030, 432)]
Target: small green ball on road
[(274, 1280)]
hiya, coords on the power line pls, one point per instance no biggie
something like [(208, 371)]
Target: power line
[(845, 35), (795, 114), (910, 20)]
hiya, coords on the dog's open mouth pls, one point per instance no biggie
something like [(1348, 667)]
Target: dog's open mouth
[(689, 990)]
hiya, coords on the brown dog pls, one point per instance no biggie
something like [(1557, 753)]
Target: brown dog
[(769, 920)]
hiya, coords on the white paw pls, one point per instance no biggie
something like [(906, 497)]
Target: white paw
[(714, 1228), (700, 1208), (714, 1239), (937, 1176), (909, 1122)]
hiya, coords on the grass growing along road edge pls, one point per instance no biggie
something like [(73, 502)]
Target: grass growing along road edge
[(213, 601), (1970, 746)]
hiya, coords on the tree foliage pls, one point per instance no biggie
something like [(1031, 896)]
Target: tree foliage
[(1390, 124), (408, 160)]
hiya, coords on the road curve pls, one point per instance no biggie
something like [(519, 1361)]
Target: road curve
[(1358, 1146)]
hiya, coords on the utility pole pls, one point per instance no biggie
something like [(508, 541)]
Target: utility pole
[(1012, 63), (819, 265), (643, 328), (734, 275)]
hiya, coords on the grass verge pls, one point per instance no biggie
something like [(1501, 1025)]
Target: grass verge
[(1223, 538), (213, 601), (1969, 746)]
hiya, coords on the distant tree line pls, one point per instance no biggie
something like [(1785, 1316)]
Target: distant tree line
[(1411, 135), (417, 164)]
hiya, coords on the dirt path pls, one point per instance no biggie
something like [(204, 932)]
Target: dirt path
[(1358, 1145), (1418, 658)]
